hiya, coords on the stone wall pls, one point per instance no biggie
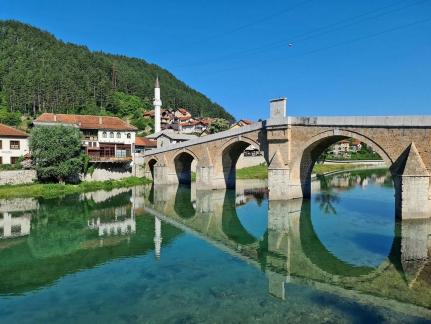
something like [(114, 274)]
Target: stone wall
[(249, 161), (111, 172), (15, 177)]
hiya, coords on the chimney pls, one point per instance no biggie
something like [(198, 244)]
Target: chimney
[(277, 108), (55, 117), (100, 120)]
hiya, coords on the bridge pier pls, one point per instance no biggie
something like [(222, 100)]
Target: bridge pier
[(412, 185), (208, 179)]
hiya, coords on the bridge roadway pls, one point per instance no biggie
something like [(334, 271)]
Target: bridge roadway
[(288, 256), (292, 145)]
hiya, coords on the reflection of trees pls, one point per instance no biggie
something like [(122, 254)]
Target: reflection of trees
[(183, 202), (327, 197), (326, 202)]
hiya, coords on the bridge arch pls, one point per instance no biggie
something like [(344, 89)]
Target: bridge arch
[(230, 152), (183, 166), (314, 147), (150, 166)]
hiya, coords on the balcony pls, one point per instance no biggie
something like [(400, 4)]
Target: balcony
[(110, 159), (110, 153)]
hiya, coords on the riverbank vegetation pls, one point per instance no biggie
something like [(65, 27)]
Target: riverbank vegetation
[(261, 171), (52, 190)]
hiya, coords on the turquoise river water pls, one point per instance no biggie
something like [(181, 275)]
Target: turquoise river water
[(173, 254)]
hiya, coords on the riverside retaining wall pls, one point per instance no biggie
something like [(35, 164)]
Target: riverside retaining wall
[(15, 177)]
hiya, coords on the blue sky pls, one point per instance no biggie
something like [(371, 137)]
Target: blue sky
[(348, 57)]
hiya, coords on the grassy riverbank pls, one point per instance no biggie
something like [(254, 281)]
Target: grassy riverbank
[(254, 172), (261, 171), (43, 190)]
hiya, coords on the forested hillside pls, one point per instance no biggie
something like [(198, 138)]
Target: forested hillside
[(39, 73)]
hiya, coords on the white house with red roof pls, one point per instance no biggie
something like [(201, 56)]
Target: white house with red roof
[(105, 138), (13, 144)]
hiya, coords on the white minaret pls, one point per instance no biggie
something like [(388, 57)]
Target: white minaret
[(157, 103), (157, 237)]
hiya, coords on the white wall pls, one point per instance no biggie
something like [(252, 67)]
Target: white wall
[(122, 140), (6, 153)]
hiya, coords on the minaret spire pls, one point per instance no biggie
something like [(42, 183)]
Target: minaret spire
[(157, 103)]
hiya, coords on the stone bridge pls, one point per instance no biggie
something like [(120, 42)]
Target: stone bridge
[(291, 147)]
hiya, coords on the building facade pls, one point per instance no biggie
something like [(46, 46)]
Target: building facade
[(13, 144), (104, 139)]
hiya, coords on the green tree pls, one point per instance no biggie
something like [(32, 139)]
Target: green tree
[(219, 125), (7, 117), (127, 105), (56, 152)]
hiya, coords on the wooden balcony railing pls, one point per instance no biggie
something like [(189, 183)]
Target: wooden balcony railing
[(110, 159)]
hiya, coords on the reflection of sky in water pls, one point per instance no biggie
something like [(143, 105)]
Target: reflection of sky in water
[(362, 230), (254, 218)]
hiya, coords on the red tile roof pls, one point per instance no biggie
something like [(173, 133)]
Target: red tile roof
[(85, 121), (246, 121), (196, 122), (183, 111), (11, 132), (146, 142)]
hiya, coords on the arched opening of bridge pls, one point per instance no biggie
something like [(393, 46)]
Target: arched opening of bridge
[(337, 153), (242, 154), (183, 167), (151, 165)]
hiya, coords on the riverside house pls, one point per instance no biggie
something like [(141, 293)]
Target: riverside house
[(105, 139), (13, 144)]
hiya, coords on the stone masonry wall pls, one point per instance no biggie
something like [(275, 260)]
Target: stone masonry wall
[(15, 177)]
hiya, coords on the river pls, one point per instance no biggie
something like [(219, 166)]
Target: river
[(172, 254)]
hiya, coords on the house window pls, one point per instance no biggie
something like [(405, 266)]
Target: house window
[(14, 159), (111, 135), (118, 135), (1, 145), (1, 160), (14, 145), (104, 135), (129, 135)]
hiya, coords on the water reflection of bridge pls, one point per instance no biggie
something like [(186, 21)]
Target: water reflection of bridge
[(291, 252)]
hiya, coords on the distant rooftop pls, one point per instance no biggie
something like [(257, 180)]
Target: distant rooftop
[(146, 142), (84, 121), (172, 135), (8, 131)]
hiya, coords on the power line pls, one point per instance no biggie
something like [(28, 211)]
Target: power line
[(252, 23), (346, 42), (341, 24)]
